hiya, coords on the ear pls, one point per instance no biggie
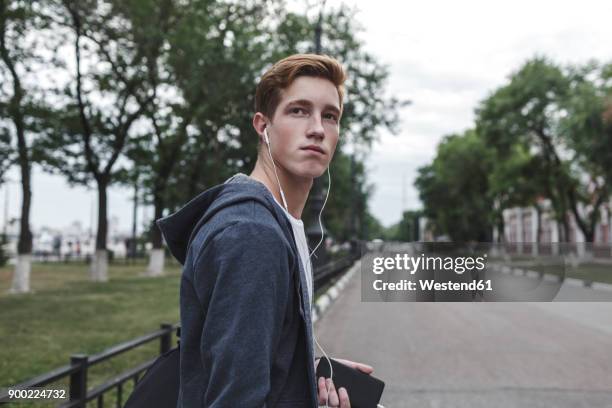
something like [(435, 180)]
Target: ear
[(259, 124)]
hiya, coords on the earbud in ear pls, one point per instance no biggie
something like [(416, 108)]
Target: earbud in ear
[(266, 136)]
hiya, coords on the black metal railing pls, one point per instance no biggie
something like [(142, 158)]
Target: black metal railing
[(327, 272), (79, 365)]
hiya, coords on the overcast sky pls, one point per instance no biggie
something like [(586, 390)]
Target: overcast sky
[(445, 56)]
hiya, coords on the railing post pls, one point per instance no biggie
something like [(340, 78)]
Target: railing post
[(78, 379), (165, 340)]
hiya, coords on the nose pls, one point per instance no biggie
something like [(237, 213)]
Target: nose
[(315, 127)]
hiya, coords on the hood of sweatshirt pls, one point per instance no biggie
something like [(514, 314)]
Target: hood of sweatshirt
[(181, 227)]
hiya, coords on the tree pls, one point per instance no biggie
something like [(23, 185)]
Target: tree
[(154, 150), (3, 256), (408, 227), (201, 102), (528, 111), (517, 179), (586, 128), (6, 151), (454, 189), (102, 104), (22, 113)]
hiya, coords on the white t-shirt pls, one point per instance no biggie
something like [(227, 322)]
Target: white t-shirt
[(302, 245)]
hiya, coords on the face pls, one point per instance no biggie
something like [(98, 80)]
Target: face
[(305, 127)]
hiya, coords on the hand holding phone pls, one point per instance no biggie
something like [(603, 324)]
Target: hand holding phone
[(364, 390)]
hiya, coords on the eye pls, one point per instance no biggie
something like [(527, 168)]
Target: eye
[(297, 110), (331, 116)]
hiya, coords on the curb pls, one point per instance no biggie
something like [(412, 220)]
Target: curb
[(601, 286), (325, 300)]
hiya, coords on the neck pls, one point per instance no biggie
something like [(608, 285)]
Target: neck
[(296, 189)]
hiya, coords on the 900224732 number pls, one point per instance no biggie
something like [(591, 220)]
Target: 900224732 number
[(35, 394)]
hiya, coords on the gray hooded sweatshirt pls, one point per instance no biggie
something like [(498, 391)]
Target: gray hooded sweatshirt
[(246, 328)]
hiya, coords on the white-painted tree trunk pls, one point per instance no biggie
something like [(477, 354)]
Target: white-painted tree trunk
[(99, 266), (21, 278), (156, 262)]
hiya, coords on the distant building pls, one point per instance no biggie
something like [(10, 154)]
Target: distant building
[(521, 226), (74, 241)]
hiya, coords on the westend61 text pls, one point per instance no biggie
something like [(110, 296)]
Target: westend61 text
[(430, 284)]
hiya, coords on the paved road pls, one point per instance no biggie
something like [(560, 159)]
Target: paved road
[(476, 354)]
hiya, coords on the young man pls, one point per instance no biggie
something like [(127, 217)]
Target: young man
[(246, 287)]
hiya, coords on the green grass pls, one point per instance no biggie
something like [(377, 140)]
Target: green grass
[(68, 314), (593, 272)]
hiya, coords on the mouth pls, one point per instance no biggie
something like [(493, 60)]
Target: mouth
[(314, 148)]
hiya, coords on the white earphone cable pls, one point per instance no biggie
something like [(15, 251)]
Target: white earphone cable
[(321, 212), (275, 173), (331, 370)]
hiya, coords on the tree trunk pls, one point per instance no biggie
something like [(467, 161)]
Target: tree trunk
[(196, 173), (24, 246), (158, 205), (156, 262), (566, 229), (501, 225), (99, 264), (21, 277), (609, 241), (157, 257), (539, 224), (560, 231)]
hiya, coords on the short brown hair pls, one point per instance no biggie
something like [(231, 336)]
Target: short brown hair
[(284, 72)]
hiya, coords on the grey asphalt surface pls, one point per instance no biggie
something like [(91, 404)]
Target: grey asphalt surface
[(511, 354)]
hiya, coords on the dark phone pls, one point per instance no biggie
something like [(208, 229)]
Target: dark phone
[(364, 390)]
